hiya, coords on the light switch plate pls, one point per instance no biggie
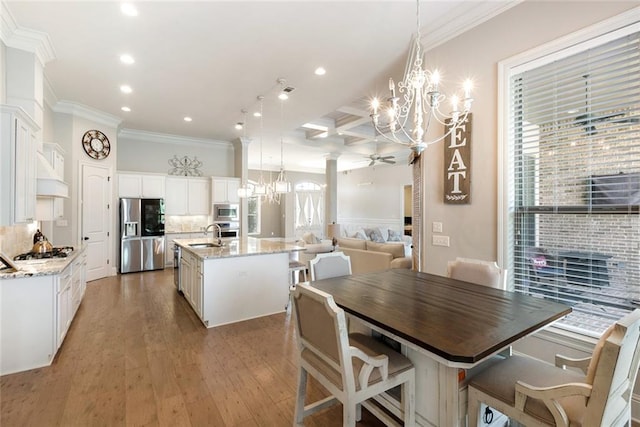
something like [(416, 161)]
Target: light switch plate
[(440, 240), (436, 227)]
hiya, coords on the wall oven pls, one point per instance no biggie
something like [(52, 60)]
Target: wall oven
[(229, 229), (225, 212)]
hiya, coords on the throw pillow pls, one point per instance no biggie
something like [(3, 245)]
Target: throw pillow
[(310, 238), (394, 236), (360, 235), (374, 235), (395, 249)]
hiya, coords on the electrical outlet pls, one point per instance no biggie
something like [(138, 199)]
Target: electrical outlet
[(440, 240), (436, 227)]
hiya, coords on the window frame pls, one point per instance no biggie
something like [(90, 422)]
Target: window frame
[(597, 34)]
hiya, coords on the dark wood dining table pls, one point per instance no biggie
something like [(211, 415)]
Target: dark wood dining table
[(443, 325)]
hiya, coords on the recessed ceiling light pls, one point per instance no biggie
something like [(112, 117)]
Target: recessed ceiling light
[(127, 59), (283, 96), (257, 114), (188, 119), (127, 109), (239, 125), (126, 89), (320, 71), (129, 9)]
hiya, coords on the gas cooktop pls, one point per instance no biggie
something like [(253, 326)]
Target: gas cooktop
[(57, 252)]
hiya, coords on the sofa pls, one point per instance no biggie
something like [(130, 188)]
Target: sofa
[(368, 256)]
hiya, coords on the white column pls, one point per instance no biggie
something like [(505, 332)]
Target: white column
[(331, 191), (241, 170)]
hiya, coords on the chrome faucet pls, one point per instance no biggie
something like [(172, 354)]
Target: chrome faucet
[(206, 231)]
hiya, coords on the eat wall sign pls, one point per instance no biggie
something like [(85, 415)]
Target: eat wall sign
[(457, 163)]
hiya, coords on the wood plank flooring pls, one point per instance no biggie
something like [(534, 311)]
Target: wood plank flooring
[(136, 355)]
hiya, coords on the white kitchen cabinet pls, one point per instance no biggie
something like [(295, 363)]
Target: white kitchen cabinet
[(64, 304), (225, 190), (141, 185), (35, 315), (191, 280), (187, 196), (18, 149)]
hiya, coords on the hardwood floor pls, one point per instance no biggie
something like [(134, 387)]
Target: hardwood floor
[(136, 355)]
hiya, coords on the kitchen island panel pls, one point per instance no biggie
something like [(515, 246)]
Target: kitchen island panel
[(242, 288)]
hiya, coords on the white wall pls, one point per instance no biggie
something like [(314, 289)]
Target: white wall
[(3, 73), (153, 156), (372, 194), (473, 228)]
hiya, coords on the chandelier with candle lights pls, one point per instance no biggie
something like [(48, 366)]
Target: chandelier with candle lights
[(418, 103)]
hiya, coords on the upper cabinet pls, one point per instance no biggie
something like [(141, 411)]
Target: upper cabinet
[(187, 196), (17, 166), (141, 185), (225, 190)]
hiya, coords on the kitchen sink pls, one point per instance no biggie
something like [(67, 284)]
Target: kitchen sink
[(205, 245)]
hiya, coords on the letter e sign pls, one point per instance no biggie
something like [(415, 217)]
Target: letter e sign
[(457, 163)]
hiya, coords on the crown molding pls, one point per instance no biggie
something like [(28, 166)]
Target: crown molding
[(164, 138), (466, 16), (17, 37), (79, 110)]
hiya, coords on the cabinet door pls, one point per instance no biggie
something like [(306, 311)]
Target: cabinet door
[(129, 185), (199, 197), (25, 173), (176, 196), (225, 190), (153, 186), (232, 190), (185, 275)]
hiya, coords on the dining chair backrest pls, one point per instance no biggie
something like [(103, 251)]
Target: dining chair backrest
[(353, 368), (331, 264), (614, 367), (322, 331), (485, 273)]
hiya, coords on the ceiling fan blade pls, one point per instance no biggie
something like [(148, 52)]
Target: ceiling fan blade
[(390, 161), (373, 162), (388, 157)]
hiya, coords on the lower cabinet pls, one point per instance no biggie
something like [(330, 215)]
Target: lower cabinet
[(191, 280), (35, 315)]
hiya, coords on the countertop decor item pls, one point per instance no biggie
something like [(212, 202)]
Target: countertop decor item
[(96, 144), (184, 166)]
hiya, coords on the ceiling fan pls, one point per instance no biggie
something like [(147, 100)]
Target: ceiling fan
[(589, 120), (375, 157)]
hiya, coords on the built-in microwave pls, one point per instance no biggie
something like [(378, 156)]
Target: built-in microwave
[(225, 212)]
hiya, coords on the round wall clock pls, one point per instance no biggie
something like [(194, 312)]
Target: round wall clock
[(96, 144)]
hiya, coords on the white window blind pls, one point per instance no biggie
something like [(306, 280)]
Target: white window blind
[(574, 150)]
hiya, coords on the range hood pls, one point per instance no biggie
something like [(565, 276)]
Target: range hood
[(48, 183)]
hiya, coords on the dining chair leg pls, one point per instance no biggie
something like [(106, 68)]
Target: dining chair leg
[(349, 411), (302, 389)]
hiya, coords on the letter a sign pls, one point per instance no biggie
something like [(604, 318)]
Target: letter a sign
[(457, 163)]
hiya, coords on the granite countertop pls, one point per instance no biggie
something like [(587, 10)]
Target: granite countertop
[(40, 267), (238, 247)]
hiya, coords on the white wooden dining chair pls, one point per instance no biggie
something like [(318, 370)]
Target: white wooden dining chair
[(535, 393), (476, 271), (352, 367), (330, 264)]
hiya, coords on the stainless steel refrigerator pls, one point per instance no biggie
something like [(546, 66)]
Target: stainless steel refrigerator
[(141, 234)]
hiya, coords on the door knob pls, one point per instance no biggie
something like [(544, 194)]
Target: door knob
[(86, 238)]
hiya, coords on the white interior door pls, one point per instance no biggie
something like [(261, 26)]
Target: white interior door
[(96, 219)]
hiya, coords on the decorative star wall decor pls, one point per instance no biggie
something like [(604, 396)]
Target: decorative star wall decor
[(184, 166)]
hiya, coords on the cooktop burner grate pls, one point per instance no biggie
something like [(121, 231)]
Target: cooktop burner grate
[(57, 252)]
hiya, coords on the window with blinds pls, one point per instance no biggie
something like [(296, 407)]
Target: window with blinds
[(574, 158)]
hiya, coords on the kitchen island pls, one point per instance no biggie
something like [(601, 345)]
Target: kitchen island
[(242, 279)]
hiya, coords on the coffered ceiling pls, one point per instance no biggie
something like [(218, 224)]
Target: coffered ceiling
[(211, 59)]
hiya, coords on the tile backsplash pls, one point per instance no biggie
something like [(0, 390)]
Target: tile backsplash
[(17, 239), (191, 223)]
